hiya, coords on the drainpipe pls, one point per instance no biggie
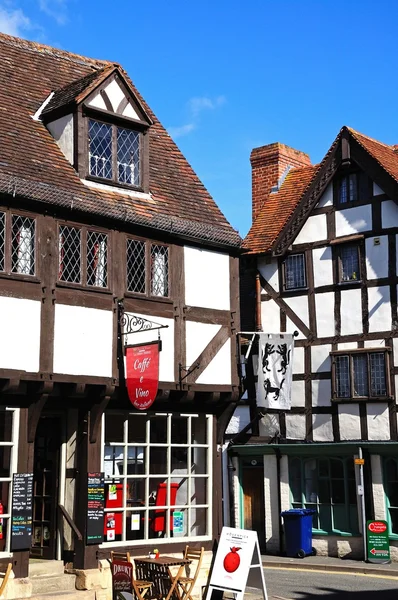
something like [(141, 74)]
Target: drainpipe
[(258, 303), (362, 490), (278, 477)]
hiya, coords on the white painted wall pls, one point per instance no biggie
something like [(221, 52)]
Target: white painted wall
[(376, 257), (351, 312), (62, 131), (327, 197), (379, 309), (374, 343), (219, 370), (324, 307), (320, 358), (269, 425), (269, 270), (353, 220), (239, 420), (321, 392), (206, 278), (292, 327), (313, 230), (284, 483), (295, 427), (83, 341), (322, 429), (323, 266), (347, 346), (389, 214), (271, 503), (20, 334), (130, 112), (395, 349), (166, 356), (378, 421), (377, 191), (198, 336), (298, 360), (349, 422), (97, 101), (270, 317), (298, 393), (299, 305)]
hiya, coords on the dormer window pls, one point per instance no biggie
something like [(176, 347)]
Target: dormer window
[(114, 153)]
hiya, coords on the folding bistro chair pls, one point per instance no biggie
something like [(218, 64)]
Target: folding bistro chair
[(140, 587), (186, 583), (5, 575)]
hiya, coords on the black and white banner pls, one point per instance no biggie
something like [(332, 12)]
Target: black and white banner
[(274, 383)]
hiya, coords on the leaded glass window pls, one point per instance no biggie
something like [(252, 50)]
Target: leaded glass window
[(100, 144), (147, 268), (360, 374), (348, 189), (70, 254), (136, 276), (76, 242), (159, 270), (349, 263), (294, 272), (2, 241), (23, 245), (97, 265)]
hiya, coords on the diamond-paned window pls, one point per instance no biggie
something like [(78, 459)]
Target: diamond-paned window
[(159, 270), (2, 240), (100, 149), (128, 156), (97, 259), (70, 255), (22, 245), (136, 272), (360, 375)]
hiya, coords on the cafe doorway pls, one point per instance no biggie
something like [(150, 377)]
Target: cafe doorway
[(46, 486)]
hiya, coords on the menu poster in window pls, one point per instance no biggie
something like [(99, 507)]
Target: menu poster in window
[(22, 511), (95, 507), (122, 587)]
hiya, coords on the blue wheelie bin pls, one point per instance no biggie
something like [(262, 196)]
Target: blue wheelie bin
[(298, 531)]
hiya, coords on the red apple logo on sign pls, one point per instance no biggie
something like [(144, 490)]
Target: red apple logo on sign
[(232, 560), (377, 527)]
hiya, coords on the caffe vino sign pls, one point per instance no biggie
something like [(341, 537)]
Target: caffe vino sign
[(142, 374)]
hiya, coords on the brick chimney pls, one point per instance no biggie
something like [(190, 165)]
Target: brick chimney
[(269, 164)]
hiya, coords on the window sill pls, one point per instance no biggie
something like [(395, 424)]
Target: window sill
[(361, 399), (295, 290), (83, 288), (20, 277), (117, 184), (144, 297)]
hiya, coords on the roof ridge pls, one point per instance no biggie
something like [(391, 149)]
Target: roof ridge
[(57, 52), (355, 132)]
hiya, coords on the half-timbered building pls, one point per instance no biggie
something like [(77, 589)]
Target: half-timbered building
[(321, 262), (107, 240)]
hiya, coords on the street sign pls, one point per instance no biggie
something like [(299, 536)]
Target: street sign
[(377, 542)]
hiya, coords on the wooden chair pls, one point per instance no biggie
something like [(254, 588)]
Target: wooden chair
[(140, 587), (186, 583), (5, 575)]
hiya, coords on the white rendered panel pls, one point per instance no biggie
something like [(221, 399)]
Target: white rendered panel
[(114, 93), (351, 312), (299, 305), (347, 346), (395, 349), (376, 257), (62, 131), (97, 101), (327, 197), (292, 327), (298, 393), (324, 305), (321, 392), (389, 214), (218, 372), (320, 358), (295, 427), (239, 420), (269, 270), (374, 343), (349, 422), (269, 425), (20, 339), (323, 266), (377, 191), (198, 336), (130, 112), (313, 230), (378, 421), (83, 341), (166, 356), (270, 317), (353, 220), (322, 429), (298, 360), (379, 308), (206, 279)]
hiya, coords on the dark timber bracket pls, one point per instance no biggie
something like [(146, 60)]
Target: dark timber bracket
[(36, 408), (97, 410)]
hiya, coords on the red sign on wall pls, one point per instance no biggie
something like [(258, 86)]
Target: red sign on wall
[(142, 374)]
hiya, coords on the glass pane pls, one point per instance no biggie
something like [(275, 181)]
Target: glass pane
[(128, 156), (198, 521), (377, 374), (295, 271), (5, 425), (337, 468), (392, 473), (100, 145), (349, 261), (159, 270), (199, 493), (199, 430), (182, 490), (159, 429), (97, 260), (343, 191), (353, 188), (343, 377), (113, 461), (135, 460), (340, 518), (23, 245), (324, 491), (311, 478), (2, 239), (360, 367), (295, 479), (135, 520), (136, 266), (5, 457), (179, 430), (199, 460), (158, 522), (135, 492), (352, 492), (179, 460), (69, 254), (323, 466), (180, 522), (137, 428), (158, 461), (338, 496), (114, 428)]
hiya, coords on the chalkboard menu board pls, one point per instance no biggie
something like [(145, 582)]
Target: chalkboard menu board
[(22, 511), (95, 508)]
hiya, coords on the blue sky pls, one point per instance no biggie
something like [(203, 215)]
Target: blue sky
[(225, 76)]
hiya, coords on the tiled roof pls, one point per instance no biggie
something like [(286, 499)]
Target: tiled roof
[(385, 155), (30, 159), (277, 209)]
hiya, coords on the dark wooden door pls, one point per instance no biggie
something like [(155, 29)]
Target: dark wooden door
[(253, 501), (45, 487)]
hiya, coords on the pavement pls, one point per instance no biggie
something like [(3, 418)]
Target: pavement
[(327, 563)]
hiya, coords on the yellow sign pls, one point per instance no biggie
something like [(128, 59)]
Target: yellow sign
[(359, 461)]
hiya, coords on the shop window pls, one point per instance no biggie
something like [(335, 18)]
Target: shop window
[(8, 465), (360, 375), (328, 486), (157, 476), (391, 491)]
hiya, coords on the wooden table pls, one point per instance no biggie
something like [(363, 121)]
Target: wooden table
[(158, 571)]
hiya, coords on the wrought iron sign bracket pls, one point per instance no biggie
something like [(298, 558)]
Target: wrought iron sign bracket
[(187, 370), (130, 323)]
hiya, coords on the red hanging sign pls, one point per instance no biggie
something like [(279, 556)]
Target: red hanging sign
[(142, 374)]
